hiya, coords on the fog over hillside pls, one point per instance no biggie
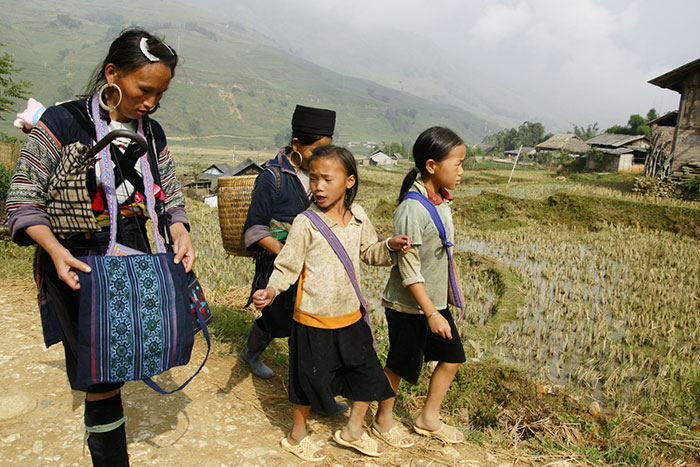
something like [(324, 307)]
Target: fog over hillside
[(558, 62)]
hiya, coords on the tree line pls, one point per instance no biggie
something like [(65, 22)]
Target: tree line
[(530, 134)]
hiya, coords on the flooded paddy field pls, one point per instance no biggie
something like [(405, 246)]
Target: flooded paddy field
[(608, 309)]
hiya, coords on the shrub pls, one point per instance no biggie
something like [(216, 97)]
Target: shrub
[(5, 179), (691, 188)]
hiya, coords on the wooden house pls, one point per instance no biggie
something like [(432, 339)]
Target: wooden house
[(684, 158), (209, 177), (524, 151), (623, 153), (658, 160)]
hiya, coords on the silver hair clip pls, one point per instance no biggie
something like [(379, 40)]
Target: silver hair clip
[(144, 50), (172, 52)]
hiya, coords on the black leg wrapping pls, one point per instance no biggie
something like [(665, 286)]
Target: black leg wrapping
[(105, 433)]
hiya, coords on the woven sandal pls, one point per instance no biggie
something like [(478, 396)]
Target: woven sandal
[(365, 444), (305, 450), (395, 437), (446, 433)]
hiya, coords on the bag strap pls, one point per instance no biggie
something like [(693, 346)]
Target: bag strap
[(437, 220), (278, 178), (203, 324), (344, 258), (107, 176)]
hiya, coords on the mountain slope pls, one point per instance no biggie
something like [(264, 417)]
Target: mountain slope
[(232, 82)]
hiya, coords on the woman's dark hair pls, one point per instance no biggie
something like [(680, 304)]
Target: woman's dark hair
[(434, 143), (306, 139), (348, 160), (125, 53)]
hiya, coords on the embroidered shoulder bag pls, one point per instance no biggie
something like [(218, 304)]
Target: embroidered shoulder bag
[(136, 309)]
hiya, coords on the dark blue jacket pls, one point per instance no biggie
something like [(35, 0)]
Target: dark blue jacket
[(267, 204)]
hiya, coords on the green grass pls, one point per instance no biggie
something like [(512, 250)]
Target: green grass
[(496, 211), (620, 181)]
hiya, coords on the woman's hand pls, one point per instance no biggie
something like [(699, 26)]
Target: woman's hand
[(263, 297), (182, 246), (64, 263), (400, 243), (439, 325), (63, 260)]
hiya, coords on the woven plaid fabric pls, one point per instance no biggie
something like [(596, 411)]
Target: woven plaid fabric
[(68, 201)]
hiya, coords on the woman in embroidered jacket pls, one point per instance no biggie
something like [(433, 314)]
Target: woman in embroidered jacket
[(330, 347), (280, 193), (128, 86)]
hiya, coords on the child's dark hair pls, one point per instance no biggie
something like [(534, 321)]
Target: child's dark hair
[(434, 143), (126, 54), (348, 160)]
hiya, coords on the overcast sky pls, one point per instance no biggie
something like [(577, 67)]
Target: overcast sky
[(572, 61)]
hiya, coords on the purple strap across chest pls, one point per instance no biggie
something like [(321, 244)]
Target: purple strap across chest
[(452, 272), (107, 178)]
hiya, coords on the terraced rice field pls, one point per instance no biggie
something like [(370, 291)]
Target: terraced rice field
[(613, 312)]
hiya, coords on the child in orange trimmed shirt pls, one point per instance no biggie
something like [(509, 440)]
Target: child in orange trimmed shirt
[(331, 347)]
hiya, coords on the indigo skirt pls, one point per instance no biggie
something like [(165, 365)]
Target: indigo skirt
[(324, 363)]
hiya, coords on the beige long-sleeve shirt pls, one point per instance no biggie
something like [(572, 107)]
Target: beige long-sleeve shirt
[(326, 297)]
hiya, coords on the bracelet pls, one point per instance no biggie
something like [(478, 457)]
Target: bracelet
[(431, 315), (386, 242)]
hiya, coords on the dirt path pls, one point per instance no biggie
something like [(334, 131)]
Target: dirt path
[(223, 418)]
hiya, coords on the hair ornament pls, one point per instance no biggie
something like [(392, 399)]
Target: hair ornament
[(143, 44), (416, 169)]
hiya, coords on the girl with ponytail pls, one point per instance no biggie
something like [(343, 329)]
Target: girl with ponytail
[(421, 284)]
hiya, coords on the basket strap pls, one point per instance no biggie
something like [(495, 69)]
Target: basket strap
[(278, 178)]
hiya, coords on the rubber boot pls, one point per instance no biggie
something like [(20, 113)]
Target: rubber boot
[(105, 433), (258, 340)]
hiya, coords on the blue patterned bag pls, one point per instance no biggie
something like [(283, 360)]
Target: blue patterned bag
[(135, 319)]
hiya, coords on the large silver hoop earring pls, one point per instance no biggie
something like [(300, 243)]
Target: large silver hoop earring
[(153, 109), (106, 107), (296, 154)]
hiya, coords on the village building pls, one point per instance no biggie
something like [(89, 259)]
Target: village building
[(380, 158), (564, 142), (622, 153), (487, 148), (206, 183), (524, 151), (683, 161)]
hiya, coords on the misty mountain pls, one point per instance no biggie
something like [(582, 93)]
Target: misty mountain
[(235, 85), (406, 61)]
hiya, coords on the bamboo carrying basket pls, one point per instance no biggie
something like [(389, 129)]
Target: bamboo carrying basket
[(234, 195)]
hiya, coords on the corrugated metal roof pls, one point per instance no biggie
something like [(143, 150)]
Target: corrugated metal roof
[(607, 139)]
